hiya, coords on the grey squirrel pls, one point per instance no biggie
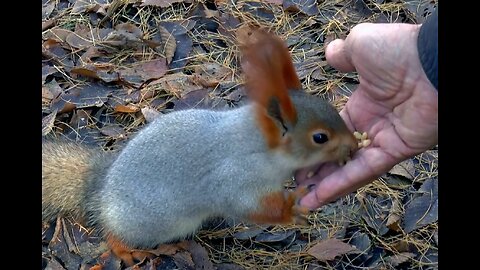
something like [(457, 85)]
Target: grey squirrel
[(190, 165)]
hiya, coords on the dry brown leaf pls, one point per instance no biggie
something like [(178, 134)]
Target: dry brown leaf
[(97, 71), (47, 123), (405, 169), (184, 260), (211, 74), (199, 256), (159, 3), (276, 2), (329, 249), (81, 97), (127, 108), (82, 6), (92, 52), (47, 8), (48, 24), (125, 35), (46, 94), (84, 37), (180, 29), (397, 259), (395, 215), (140, 73), (308, 7), (169, 43), (57, 34), (165, 249), (177, 84), (113, 131), (51, 90), (150, 114), (46, 71)]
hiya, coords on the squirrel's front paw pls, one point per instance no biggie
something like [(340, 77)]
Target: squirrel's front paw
[(299, 213), (281, 207)]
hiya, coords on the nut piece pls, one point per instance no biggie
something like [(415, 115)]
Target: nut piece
[(362, 139)]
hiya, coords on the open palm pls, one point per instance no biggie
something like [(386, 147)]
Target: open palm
[(395, 104)]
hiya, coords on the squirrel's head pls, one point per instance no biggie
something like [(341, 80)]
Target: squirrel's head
[(306, 127)]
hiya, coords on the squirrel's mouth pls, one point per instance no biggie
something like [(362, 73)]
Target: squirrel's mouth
[(309, 175)]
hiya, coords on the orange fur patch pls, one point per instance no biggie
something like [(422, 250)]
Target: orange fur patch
[(276, 208), (270, 74)]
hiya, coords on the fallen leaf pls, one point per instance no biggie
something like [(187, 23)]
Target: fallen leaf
[(150, 114), (308, 7), (103, 72), (184, 42), (259, 10), (142, 72), (405, 169), (53, 90), (183, 260), (125, 35), (276, 2), (199, 256), (402, 246), (48, 24), (397, 182), (113, 131), (59, 249), (57, 34), (199, 99), (47, 71), (52, 50), (422, 210), (327, 250), (420, 9), (92, 52), (169, 44), (47, 9), (127, 108), (80, 119), (236, 95), (81, 97), (84, 37), (248, 233), (269, 237), (227, 25), (229, 266), (47, 122), (399, 258), (159, 3), (81, 6), (54, 265), (177, 84), (166, 249), (377, 209), (361, 242), (395, 215), (211, 74)]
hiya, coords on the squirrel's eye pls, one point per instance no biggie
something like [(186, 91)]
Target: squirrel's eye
[(320, 138)]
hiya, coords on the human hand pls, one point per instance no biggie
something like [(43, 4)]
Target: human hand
[(394, 103)]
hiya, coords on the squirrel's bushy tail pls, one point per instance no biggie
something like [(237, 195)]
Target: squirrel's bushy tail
[(68, 171)]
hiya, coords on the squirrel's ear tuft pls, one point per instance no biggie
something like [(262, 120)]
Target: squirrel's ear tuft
[(270, 74)]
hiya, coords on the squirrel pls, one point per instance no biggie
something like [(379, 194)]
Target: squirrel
[(190, 165)]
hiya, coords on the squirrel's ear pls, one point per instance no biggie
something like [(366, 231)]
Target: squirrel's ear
[(270, 74)]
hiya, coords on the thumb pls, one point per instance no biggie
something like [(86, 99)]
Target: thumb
[(338, 56)]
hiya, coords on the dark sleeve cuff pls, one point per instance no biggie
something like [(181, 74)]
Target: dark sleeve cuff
[(428, 47)]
